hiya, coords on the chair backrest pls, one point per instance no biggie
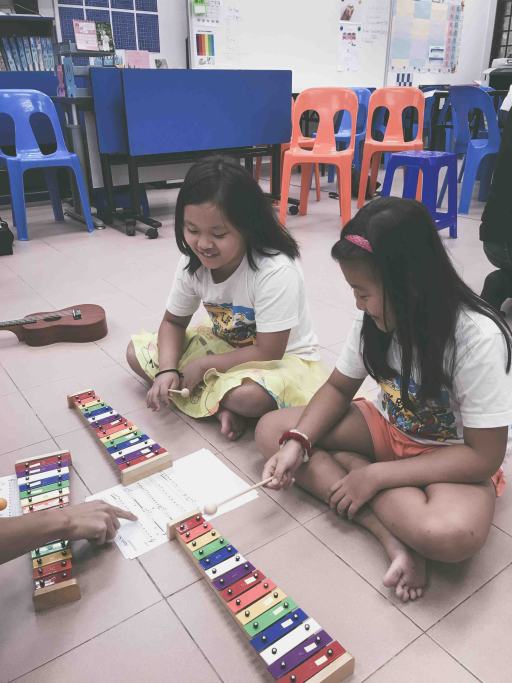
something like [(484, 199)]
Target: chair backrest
[(464, 99), (21, 105), (363, 99), (326, 102), (396, 101)]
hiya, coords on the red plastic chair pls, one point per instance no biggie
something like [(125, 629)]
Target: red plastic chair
[(395, 100), (326, 102), (306, 143)]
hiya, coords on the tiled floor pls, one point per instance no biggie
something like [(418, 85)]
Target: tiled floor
[(152, 619)]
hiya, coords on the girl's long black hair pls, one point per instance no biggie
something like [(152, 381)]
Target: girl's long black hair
[(222, 181), (421, 286)]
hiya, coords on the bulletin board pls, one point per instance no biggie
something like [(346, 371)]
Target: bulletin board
[(326, 43)]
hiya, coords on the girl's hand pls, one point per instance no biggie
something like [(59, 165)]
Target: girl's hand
[(348, 495), (159, 392), (193, 374), (282, 465)]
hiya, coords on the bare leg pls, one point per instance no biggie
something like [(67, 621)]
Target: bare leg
[(406, 572), (132, 361), (245, 401)]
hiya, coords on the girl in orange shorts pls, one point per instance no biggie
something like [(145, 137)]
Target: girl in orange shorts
[(421, 467)]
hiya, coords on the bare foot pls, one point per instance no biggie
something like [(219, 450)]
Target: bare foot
[(406, 573), (231, 424)]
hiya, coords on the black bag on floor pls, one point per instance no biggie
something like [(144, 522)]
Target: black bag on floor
[(6, 239)]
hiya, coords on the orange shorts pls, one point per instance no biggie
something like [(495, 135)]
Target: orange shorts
[(389, 443)]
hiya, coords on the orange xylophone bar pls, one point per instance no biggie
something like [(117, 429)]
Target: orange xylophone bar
[(292, 645), (43, 484), (133, 453)]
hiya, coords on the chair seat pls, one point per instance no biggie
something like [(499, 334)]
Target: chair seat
[(305, 156)]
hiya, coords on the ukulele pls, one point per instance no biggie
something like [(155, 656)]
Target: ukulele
[(84, 323)]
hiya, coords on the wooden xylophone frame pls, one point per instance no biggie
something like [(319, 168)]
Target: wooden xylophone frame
[(139, 456), (298, 653), (51, 563)]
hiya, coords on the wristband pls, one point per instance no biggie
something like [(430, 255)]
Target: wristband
[(294, 435), (161, 372)]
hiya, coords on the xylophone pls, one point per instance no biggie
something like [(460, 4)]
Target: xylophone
[(133, 452), (293, 645), (43, 483)]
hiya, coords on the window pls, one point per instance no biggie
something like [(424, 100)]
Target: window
[(502, 39)]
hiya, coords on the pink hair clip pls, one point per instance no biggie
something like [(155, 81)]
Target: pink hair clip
[(360, 242)]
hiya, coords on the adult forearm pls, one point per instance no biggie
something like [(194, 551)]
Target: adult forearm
[(171, 338), (327, 407), (451, 464), (19, 535)]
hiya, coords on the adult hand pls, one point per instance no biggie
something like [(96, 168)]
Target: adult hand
[(282, 465), (95, 521), (159, 392), (193, 374), (348, 495)]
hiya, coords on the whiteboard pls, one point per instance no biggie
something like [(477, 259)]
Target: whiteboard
[(309, 38)]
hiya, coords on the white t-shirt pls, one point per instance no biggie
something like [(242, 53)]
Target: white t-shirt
[(481, 395), (269, 299)]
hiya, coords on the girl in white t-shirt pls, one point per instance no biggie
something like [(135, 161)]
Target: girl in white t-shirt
[(259, 351), (421, 466)]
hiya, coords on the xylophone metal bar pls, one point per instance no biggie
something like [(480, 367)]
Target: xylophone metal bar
[(133, 454), (42, 481), (293, 646)]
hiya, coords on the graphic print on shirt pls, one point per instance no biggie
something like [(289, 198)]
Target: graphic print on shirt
[(234, 324), (432, 419)]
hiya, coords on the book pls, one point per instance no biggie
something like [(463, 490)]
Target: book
[(40, 54), (28, 53), (15, 54), (21, 52), (105, 39), (8, 56), (137, 59), (48, 54), (35, 56), (3, 66), (86, 37)]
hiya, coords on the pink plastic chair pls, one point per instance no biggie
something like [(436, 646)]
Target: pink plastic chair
[(326, 102), (395, 100)]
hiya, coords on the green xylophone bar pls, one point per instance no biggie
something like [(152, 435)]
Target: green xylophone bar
[(43, 483), (132, 452), (292, 645)]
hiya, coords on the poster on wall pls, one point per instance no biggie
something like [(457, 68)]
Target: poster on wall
[(207, 25), (360, 22), (425, 36)]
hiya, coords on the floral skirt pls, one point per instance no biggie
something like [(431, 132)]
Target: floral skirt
[(291, 381)]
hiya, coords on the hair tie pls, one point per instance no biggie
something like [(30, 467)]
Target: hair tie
[(359, 241)]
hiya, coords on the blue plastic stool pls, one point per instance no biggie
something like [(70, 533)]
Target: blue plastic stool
[(429, 163), (20, 106)]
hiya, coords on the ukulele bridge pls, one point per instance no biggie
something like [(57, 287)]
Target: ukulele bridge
[(77, 314)]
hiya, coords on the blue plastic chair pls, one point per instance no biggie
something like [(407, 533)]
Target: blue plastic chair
[(20, 106), (429, 163), (463, 100), (343, 134)]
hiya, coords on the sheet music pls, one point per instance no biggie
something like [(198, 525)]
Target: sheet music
[(9, 491), (192, 481)]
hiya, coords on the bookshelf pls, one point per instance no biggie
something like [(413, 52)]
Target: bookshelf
[(26, 43)]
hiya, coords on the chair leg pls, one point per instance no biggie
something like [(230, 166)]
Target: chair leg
[(388, 180), (374, 172), (317, 182), (345, 192), (411, 178), (443, 190), (257, 169), (19, 212), (305, 185), (363, 178), (84, 197), (330, 173), (52, 184), (285, 189)]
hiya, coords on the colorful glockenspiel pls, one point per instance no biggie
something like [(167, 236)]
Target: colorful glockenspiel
[(293, 646), (43, 484), (132, 451)]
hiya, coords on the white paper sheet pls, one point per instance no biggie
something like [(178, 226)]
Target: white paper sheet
[(192, 481), (9, 491)]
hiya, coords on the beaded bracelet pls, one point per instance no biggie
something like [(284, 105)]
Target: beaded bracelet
[(161, 372), (295, 435)]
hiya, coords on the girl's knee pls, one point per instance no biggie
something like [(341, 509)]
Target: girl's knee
[(267, 432), (131, 358), (449, 540)]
